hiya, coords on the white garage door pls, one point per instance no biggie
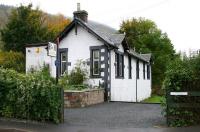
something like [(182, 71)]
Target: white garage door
[(124, 93)]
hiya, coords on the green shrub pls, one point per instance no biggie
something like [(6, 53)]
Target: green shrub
[(12, 60), (75, 79), (33, 96), (180, 73)]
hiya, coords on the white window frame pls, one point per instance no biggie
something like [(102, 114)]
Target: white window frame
[(61, 62), (95, 60)]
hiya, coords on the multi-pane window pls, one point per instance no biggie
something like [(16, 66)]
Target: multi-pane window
[(63, 61), (138, 69), (148, 71), (144, 70), (95, 63), (119, 65), (129, 67)]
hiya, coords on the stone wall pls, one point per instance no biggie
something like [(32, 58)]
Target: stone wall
[(74, 99)]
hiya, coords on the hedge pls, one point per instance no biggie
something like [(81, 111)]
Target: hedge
[(34, 96), (181, 75)]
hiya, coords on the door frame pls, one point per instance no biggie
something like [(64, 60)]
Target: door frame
[(62, 50)]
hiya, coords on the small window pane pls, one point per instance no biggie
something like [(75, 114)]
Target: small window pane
[(63, 57), (95, 62), (96, 54), (63, 67), (120, 65), (63, 61), (96, 68)]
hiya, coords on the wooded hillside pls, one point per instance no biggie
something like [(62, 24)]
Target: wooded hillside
[(56, 23)]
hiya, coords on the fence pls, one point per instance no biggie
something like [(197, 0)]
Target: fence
[(183, 107)]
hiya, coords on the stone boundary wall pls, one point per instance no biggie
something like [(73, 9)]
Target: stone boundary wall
[(75, 99)]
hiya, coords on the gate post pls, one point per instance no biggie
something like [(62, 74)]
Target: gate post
[(62, 105)]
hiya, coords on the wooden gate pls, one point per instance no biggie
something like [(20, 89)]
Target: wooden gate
[(184, 105)]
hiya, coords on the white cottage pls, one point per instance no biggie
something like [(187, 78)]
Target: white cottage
[(125, 74)]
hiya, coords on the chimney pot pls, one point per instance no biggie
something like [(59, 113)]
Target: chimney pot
[(81, 14), (78, 7)]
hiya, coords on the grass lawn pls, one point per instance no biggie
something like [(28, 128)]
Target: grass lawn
[(154, 99)]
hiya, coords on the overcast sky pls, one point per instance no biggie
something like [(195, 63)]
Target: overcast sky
[(180, 19)]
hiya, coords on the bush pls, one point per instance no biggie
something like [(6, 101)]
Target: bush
[(34, 96), (12, 60), (75, 79), (179, 75)]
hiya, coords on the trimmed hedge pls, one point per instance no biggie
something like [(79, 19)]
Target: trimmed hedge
[(34, 96)]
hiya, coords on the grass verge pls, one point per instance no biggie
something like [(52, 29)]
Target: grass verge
[(154, 99)]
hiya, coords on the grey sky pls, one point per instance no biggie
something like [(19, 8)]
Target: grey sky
[(179, 18)]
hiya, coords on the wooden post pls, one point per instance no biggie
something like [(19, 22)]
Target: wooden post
[(167, 109), (61, 89)]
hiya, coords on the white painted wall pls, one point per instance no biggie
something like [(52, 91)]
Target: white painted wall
[(123, 89), (143, 85), (37, 60), (79, 49)]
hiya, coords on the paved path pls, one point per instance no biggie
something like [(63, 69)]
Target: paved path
[(107, 117), (116, 115)]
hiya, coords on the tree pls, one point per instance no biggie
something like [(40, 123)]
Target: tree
[(25, 25), (56, 23), (144, 36), (12, 60)]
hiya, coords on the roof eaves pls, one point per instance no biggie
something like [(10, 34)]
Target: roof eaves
[(36, 44), (138, 56)]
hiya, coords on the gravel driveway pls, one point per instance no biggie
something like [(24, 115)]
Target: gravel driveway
[(116, 114)]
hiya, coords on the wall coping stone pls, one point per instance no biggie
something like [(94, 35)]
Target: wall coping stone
[(84, 90)]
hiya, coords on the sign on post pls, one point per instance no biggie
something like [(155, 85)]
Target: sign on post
[(52, 48), (179, 93)]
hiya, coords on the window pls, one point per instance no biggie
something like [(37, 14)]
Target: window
[(119, 65), (63, 61), (129, 67), (148, 71), (138, 69), (95, 63), (144, 70)]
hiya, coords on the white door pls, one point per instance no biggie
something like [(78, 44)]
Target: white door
[(123, 92)]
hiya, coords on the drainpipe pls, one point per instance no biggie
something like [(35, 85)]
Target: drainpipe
[(136, 80), (57, 60)]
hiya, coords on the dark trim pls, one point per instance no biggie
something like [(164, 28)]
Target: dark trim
[(62, 34), (144, 67), (77, 21), (136, 83), (59, 60), (92, 48), (137, 57), (129, 67), (109, 74), (148, 72), (138, 69), (119, 54), (36, 44)]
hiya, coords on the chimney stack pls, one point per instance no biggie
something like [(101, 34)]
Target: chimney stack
[(81, 14)]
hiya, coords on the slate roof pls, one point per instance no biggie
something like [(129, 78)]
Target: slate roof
[(109, 34), (144, 57), (106, 33)]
